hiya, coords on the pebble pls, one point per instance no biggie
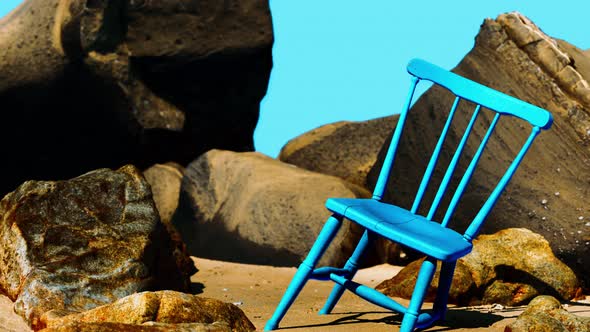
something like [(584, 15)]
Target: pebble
[(544, 202), (580, 218), (588, 224), (238, 303), (556, 193)]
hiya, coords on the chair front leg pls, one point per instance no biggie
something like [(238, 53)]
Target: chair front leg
[(422, 283), (324, 239), (352, 265)]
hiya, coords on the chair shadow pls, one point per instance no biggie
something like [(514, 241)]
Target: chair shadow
[(354, 318), (456, 318)]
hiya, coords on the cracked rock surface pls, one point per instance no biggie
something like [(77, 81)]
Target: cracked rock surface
[(85, 242)]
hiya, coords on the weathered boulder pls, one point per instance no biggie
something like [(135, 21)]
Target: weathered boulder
[(344, 149), (247, 207), (509, 267), (165, 179), (161, 311), (549, 193), (84, 242), (156, 81), (545, 314), (147, 327)]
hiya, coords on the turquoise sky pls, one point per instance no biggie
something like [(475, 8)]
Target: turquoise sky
[(340, 60)]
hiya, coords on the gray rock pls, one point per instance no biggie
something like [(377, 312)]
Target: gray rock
[(347, 150), (247, 207), (164, 180)]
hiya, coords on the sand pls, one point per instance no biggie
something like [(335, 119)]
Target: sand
[(257, 290)]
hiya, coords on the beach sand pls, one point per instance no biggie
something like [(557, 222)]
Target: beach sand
[(257, 290)]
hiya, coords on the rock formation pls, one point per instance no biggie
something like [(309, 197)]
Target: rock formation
[(509, 267), (89, 84), (154, 311), (549, 194), (545, 313), (85, 242), (344, 149), (164, 180), (250, 208)]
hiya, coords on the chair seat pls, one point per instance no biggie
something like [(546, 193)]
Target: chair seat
[(402, 226)]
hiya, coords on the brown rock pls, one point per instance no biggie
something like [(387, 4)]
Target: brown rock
[(165, 179), (82, 243), (556, 170), (162, 310), (463, 288), (510, 267), (156, 76), (545, 313), (347, 150), (247, 207), (147, 327)]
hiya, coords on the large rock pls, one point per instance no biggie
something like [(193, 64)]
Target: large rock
[(545, 314), (147, 327), (549, 193), (164, 180), (85, 242), (104, 83), (510, 267), (167, 309), (247, 207), (344, 149)]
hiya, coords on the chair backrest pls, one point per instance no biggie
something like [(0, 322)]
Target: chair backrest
[(481, 96)]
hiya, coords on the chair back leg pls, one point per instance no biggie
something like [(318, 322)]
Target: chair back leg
[(444, 287), (352, 265), (304, 271)]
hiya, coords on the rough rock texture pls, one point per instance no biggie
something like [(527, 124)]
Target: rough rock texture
[(549, 193), (147, 327), (162, 310), (85, 242), (509, 267), (104, 83), (545, 314), (344, 149), (165, 179), (247, 207)]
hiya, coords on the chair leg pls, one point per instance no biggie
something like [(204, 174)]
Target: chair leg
[(351, 266), (444, 286), (305, 269), (422, 283)]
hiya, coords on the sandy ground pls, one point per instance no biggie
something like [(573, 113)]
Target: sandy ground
[(257, 290)]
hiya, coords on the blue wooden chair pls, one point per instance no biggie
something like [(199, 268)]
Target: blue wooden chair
[(407, 227)]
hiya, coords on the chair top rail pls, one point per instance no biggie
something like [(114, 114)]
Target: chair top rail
[(480, 94)]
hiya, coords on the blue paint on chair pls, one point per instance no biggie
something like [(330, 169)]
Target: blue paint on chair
[(407, 227)]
